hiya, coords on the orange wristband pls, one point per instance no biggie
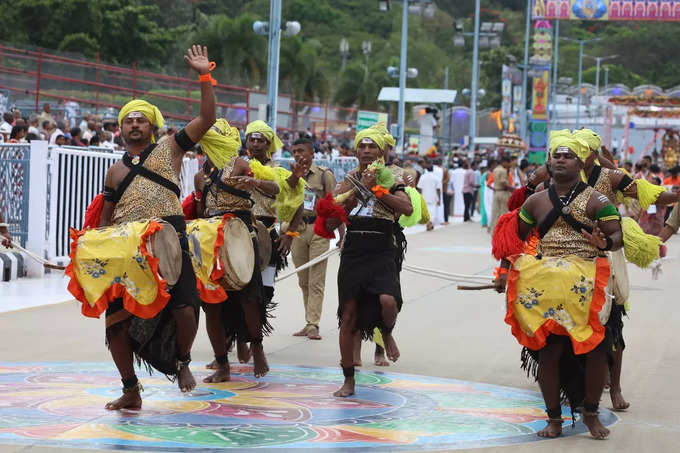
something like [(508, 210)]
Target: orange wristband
[(379, 191), (292, 234), (207, 77), (499, 271)]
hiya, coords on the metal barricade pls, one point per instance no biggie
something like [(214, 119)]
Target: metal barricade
[(14, 183)]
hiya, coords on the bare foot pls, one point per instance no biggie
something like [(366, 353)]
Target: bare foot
[(222, 374), (390, 347), (347, 388), (313, 333), (597, 430), (243, 352), (302, 332), (130, 401), (552, 429), (618, 402), (260, 366), (212, 365), (379, 357), (185, 380)]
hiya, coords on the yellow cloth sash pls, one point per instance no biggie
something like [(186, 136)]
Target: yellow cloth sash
[(205, 237), (113, 262), (557, 295)]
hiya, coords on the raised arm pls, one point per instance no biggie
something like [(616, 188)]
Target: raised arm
[(197, 59)]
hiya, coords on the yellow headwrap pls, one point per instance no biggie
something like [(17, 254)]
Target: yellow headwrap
[(221, 143), (389, 140), (374, 134), (150, 111), (263, 128), (569, 140), (289, 199), (593, 140)]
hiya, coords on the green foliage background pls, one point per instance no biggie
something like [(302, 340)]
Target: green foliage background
[(154, 34)]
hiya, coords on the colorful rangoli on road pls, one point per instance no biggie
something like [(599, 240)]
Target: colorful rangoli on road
[(62, 405)]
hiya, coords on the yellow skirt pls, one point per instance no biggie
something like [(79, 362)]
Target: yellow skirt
[(557, 295), (205, 237), (113, 262)]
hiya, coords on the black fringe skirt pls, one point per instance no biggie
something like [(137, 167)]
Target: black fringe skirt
[(369, 267)]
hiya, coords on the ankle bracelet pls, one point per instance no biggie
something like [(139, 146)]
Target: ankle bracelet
[(137, 388)]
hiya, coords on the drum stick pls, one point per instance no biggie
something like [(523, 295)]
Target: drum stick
[(475, 288), (310, 263), (42, 261), (447, 274)]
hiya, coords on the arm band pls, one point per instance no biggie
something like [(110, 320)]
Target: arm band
[(609, 245), (609, 212), (184, 141), (625, 182), (108, 193), (396, 188), (526, 217)]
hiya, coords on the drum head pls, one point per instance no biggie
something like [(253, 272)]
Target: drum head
[(165, 246), (239, 254), (264, 245)]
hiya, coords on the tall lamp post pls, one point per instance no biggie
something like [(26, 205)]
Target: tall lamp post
[(273, 30)]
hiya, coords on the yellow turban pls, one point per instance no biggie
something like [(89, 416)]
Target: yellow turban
[(567, 139), (221, 143), (374, 134), (264, 129), (150, 111), (389, 140), (593, 140)]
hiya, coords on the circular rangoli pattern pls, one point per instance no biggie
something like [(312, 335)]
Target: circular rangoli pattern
[(62, 405)]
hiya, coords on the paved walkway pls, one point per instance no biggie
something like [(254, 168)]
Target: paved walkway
[(441, 332)]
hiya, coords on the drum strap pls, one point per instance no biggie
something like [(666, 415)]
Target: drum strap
[(138, 169), (216, 179), (594, 175), (558, 212)]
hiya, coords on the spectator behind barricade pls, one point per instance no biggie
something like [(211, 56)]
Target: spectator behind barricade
[(46, 130), (83, 123), (76, 137), (88, 131), (17, 116), (95, 141), (18, 134), (59, 138), (107, 140), (46, 115), (6, 125), (628, 166), (98, 126), (61, 126), (33, 126)]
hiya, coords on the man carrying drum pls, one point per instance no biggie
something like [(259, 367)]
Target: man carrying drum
[(224, 186), (307, 246), (144, 185)]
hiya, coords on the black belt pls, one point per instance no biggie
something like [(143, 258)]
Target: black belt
[(267, 220), (309, 219)]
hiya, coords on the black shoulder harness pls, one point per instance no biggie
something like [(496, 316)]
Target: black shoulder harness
[(594, 175), (215, 178), (138, 169), (557, 212)]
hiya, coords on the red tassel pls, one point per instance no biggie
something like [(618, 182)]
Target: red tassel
[(506, 241), (517, 198), (326, 208), (93, 213), (189, 207)]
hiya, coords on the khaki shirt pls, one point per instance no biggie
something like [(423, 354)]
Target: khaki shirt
[(674, 219), (320, 182)]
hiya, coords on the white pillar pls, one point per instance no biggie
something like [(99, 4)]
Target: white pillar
[(37, 206)]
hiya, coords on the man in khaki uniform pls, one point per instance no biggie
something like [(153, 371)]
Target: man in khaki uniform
[(307, 246), (502, 191)]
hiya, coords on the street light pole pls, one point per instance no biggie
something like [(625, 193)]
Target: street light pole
[(444, 119), (273, 64), (475, 81), (402, 74), (525, 69), (580, 73)]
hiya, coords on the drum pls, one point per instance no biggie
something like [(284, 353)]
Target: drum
[(264, 244), (165, 246), (238, 255), (138, 261)]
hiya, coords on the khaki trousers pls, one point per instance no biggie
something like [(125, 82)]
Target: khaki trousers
[(499, 207), (312, 281)]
